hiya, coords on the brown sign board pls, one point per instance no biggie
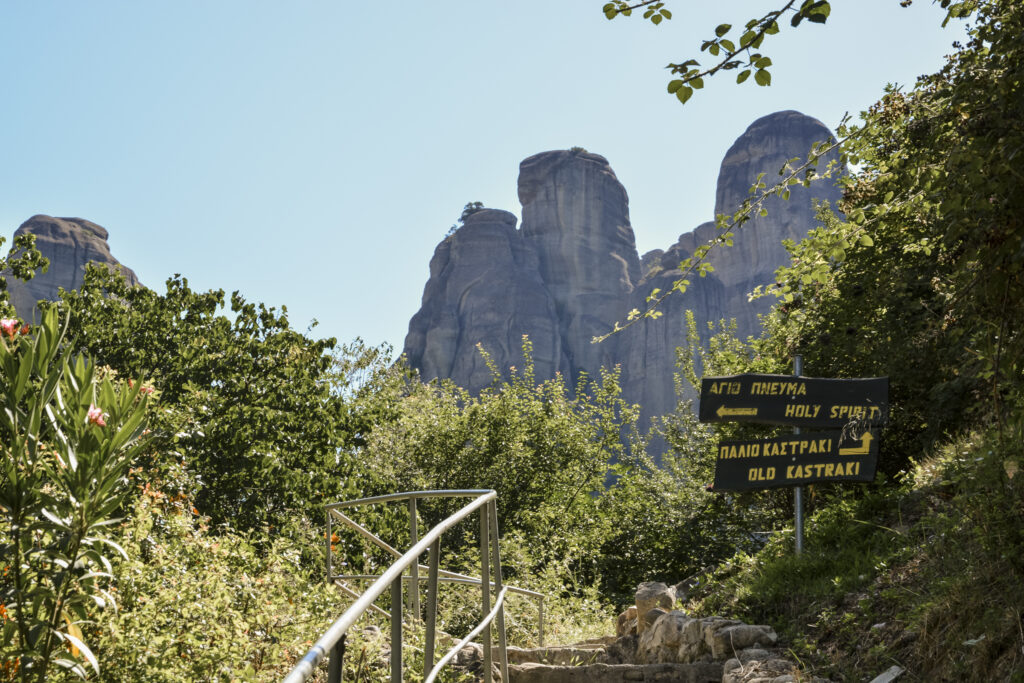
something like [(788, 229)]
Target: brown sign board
[(794, 401), (796, 460)]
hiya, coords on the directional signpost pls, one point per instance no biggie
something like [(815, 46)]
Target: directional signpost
[(796, 460), (794, 401), (853, 407)]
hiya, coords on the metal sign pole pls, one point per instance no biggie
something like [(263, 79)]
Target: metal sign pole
[(798, 492)]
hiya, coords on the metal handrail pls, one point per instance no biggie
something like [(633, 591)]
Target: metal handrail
[(445, 575), (498, 604), (333, 640), (406, 495)]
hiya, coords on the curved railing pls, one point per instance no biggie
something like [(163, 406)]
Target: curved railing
[(332, 642)]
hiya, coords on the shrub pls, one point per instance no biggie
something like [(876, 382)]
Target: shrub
[(69, 437)]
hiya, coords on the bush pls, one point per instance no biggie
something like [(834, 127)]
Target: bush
[(69, 438)]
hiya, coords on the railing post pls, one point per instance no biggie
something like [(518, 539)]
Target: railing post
[(396, 630), (540, 621), (428, 650), (485, 590), (496, 562), (334, 664), (414, 569), (329, 568)]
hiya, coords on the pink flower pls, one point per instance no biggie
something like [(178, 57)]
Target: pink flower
[(9, 326), (146, 390), (95, 416)]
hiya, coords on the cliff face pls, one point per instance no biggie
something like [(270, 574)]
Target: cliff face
[(576, 216), (70, 244), (572, 270), (485, 262)]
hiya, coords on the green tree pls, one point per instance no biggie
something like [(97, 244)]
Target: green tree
[(21, 262), (467, 211), (924, 282), (249, 403), (545, 449)]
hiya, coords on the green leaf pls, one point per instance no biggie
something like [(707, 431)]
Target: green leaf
[(866, 241), (819, 12), (674, 85), (684, 93), (743, 75), (763, 77), (84, 649), (722, 29), (656, 19), (666, 13), (697, 83)]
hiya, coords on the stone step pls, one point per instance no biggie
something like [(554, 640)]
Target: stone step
[(573, 655), (702, 672)]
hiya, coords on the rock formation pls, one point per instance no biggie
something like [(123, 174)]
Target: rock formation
[(572, 270), (484, 262), (70, 244)]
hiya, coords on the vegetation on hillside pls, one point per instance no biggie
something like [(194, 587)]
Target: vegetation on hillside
[(166, 459)]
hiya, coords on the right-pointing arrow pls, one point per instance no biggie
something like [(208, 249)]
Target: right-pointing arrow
[(863, 449)]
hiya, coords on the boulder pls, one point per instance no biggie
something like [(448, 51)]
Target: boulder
[(626, 624), (674, 637), (725, 639), (649, 595)]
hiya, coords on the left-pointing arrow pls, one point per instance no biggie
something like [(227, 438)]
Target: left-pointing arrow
[(724, 412)]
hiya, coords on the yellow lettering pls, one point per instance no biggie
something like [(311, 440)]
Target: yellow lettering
[(830, 469), (855, 412)]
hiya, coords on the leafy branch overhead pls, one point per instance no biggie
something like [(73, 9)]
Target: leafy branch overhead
[(735, 48)]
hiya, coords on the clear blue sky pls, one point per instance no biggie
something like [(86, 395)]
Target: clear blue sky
[(312, 154)]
